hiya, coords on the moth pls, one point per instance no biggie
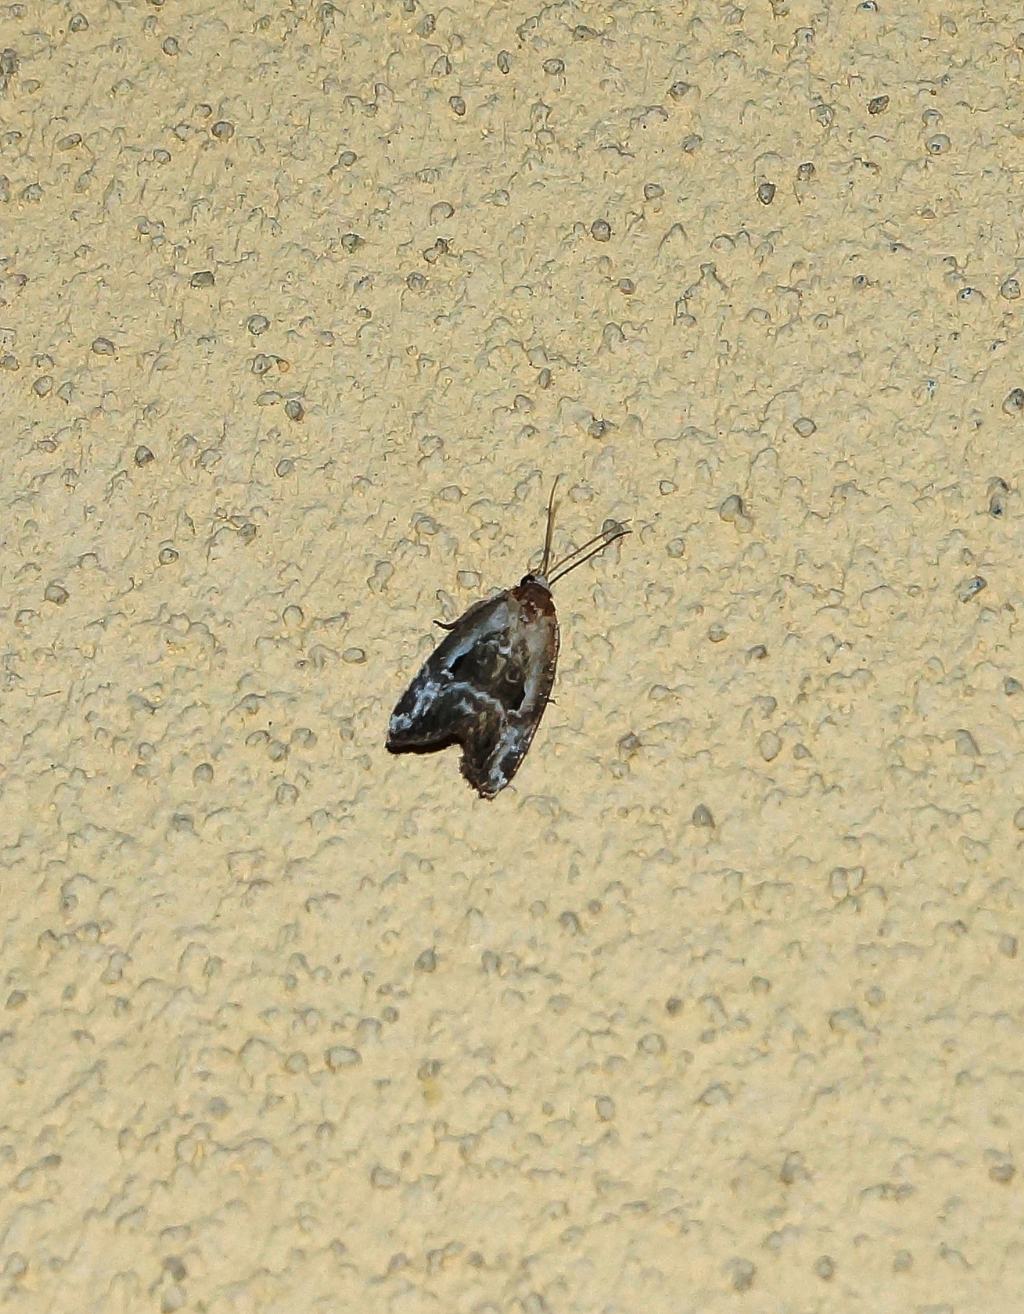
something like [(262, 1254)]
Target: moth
[(487, 683)]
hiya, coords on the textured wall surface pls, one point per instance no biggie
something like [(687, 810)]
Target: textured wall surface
[(719, 1006)]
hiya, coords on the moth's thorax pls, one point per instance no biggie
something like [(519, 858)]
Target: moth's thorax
[(534, 596)]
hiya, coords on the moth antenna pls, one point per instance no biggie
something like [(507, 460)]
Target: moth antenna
[(609, 539), (550, 529), (601, 538)]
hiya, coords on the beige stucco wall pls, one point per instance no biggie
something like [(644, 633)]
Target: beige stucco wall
[(718, 1007)]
